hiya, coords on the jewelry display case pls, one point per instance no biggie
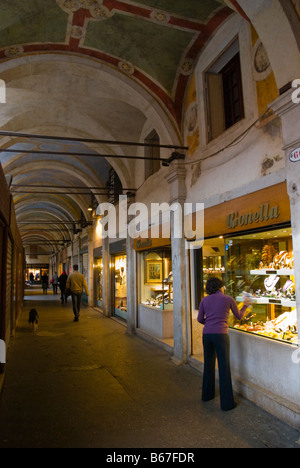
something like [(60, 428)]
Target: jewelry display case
[(262, 265)]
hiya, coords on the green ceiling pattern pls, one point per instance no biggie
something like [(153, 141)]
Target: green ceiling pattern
[(31, 21), (124, 30), (156, 42), (199, 9), (143, 43)]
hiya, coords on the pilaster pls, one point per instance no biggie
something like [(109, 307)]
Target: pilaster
[(106, 303), (289, 112), (91, 265), (131, 281), (176, 179)]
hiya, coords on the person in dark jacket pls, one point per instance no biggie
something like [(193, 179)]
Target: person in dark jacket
[(45, 283), (62, 281), (213, 314)]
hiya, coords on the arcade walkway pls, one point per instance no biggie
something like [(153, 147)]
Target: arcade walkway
[(89, 384)]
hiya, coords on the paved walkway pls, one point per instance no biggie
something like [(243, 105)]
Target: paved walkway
[(90, 384)]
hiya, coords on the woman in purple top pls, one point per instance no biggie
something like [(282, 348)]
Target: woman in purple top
[(213, 314)]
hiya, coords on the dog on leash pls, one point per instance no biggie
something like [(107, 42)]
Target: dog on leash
[(33, 319)]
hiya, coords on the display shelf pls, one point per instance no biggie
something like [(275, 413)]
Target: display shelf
[(270, 271), (269, 300)]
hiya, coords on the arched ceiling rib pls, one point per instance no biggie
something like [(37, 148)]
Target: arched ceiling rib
[(39, 186)]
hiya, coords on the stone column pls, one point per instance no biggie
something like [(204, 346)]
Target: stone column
[(289, 112), (131, 286), (176, 179), (106, 278), (91, 265), (131, 280)]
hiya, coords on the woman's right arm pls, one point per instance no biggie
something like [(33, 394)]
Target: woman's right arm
[(240, 313)]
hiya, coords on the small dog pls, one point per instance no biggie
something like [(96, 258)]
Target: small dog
[(34, 319)]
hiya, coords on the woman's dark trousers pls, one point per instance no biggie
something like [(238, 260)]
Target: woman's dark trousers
[(217, 346)]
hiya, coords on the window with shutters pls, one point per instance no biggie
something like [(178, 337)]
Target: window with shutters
[(224, 92), (152, 154)]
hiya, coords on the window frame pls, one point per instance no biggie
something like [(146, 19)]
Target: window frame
[(235, 29), (152, 165)]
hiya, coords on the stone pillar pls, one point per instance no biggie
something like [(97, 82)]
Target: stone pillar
[(131, 281), (289, 112), (90, 279), (131, 286), (176, 180), (106, 278)]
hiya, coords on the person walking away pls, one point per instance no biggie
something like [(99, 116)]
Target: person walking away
[(55, 282), (45, 283), (31, 278), (213, 314), (76, 282), (62, 281)]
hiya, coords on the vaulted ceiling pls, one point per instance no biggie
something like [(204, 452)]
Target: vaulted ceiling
[(156, 42), (141, 55)]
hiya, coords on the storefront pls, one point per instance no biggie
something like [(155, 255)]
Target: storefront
[(11, 268), (119, 278), (98, 277), (262, 264), (252, 253), (34, 272), (249, 245), (155, 287)]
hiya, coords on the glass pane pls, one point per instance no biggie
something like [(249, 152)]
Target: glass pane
[(157, 279), (209, 261), (120, 286), (262, 264)]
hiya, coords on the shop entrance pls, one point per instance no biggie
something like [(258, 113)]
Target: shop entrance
[(34, 273), (120, 286)]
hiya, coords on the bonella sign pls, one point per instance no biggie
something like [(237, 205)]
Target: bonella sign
[(295, 155), (265, 213)]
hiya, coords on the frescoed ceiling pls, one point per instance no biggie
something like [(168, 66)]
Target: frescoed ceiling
[(156, 42)]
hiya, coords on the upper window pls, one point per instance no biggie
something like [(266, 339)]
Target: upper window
[(225, 104), (152, 153)]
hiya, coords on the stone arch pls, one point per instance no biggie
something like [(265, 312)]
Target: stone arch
[(277, 25), (56, 82)]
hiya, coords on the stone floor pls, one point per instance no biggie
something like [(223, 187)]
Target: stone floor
[(90, 384)]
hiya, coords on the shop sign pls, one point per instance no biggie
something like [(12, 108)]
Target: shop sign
[(143, 244), (295, 155), (265, 213)]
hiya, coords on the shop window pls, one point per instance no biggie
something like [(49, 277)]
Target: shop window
[(208, 261), (98, 275), (257, 263), (120, 286), (152, 165), (157, 279), (262, 264), (224, 91), (34, 273)]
